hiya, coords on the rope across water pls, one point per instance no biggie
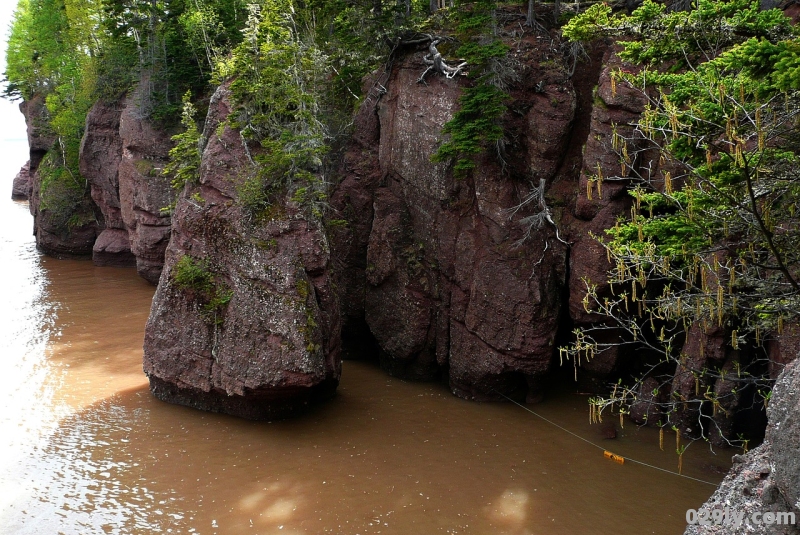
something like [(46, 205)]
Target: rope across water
[(627, 459)]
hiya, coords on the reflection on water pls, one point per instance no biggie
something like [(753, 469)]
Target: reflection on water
[(86, 449)]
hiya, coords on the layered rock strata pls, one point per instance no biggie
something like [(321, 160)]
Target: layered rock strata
[(100, 156)]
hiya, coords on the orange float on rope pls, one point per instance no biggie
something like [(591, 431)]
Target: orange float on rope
[(616, 458)]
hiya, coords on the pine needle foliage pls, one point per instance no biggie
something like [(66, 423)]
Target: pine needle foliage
[(184, 163), (476, 124)]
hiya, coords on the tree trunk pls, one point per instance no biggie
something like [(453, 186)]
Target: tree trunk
[(407, 5), (529, 20), (434, 5)]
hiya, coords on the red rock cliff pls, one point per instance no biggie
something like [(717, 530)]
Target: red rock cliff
[(101, 153), (272, 347), (440, 268), (144, 192), (126, 220)]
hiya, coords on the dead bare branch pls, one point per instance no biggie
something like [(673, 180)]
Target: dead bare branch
[(433, 59)]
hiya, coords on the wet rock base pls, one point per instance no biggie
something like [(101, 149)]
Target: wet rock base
[(275, 404)]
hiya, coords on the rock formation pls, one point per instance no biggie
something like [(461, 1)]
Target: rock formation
[(145, 193), (443, 277), (100, 156), (245, 320), (126, 221), (766, 479), (21, 188), (434, 264), (438, 275), (435, 272), (64, 222)]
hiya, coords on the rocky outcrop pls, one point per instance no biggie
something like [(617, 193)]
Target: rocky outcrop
[(64, 230), (100, 157), (113, 249), (117, 210), (21, 188), (122, 155), (145, 194), (40, 137), (57, 233), (245, 320), (64, 221), (448, 284), (766, 479), (438, 271)]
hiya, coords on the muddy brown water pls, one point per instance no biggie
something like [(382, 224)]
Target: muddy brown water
[(85, 449)]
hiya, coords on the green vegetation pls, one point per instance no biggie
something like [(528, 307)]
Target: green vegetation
[(74, 52), (43, 58), (159, 42), (296, 70), (184, 164), (63, 195), (287, 109), (711, 242), (191, 274), (90, 49), (303, 291), (196, 277), (476, 124), (278, 77)]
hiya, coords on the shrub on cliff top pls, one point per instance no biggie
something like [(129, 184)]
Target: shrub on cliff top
[(185, 157), (476, 123), (279, 78)]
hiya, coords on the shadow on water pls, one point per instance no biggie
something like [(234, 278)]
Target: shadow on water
[(384, 456)]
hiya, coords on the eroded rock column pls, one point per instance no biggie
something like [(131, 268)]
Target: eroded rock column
[(245, 320)]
